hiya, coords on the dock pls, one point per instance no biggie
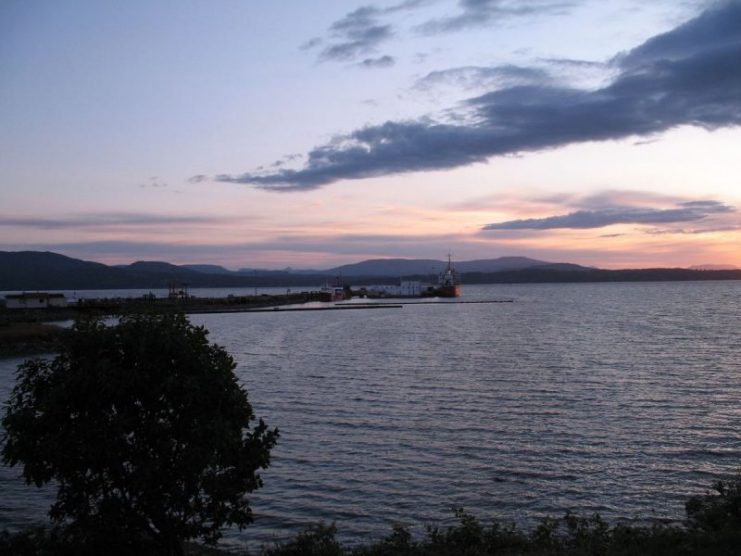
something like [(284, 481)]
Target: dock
[(289, 302), (210, 310), (461, 302)]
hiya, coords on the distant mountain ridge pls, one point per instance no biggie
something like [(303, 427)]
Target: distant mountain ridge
[(207, 268), (35, 270), (409, 267)]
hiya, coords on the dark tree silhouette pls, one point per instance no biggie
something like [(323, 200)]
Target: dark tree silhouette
[(145, 431)]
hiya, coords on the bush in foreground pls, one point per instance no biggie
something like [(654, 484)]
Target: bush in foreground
[(146, 432), (713, 528)]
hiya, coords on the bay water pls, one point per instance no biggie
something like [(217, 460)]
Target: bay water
[(620, 399)]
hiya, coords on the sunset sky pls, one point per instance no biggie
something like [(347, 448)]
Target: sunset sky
[(315, 133)]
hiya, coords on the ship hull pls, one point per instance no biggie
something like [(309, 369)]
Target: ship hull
[(449, 291)]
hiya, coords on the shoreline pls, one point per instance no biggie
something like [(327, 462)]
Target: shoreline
[(29, 338)]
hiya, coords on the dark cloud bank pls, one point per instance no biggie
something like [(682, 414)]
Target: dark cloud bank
[(688, 76), (583, 219)]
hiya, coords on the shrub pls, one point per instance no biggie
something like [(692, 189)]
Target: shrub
[(145, 430)]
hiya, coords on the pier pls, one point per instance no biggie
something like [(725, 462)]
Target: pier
[(288, 302)]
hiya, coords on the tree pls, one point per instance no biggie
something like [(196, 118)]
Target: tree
[(717, 513), (145, 430)]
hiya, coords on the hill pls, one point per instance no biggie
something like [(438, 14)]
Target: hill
[(46, 270), (546, 274), (207, 268), (33, 270), (419, 267)]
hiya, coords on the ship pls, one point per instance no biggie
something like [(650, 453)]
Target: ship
[(448, 282), (338, 292)]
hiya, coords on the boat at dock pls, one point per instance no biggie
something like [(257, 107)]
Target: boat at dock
[(448, 284), (338, 292)]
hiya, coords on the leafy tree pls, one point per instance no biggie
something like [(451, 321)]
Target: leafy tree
[(145, 430), (717, 513)]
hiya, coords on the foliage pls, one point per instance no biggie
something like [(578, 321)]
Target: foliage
[(713, 528), (570, 535), (717, 517), (717, 512), (145, 431), (317, 540), (25, 543)]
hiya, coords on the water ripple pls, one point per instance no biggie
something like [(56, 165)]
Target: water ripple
[(618, 399)]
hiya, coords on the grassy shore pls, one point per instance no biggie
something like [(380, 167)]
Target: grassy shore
[(28, 338)]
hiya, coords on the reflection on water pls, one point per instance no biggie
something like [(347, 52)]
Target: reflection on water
[(621, 399)]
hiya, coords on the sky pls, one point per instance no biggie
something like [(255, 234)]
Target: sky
[(312, 134)]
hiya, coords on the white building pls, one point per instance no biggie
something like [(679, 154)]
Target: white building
[(410, 289), (39, 300), (404, 289)]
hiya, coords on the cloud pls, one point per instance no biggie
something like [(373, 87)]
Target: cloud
[(382, 62), (516, 201), (693, 231), (688, 76), (359, 33), (546, 72), (349, 247), (104, 220), (121, 251), (588, 74), (619, 198), (584, 219), (153, 182), (715, 29), (574, 63), (311, 43), (480, 13), (469, 77)]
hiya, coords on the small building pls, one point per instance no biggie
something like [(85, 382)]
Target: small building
[(38, 300), (406, 288), (410, 288)]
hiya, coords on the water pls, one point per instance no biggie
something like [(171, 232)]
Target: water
[(621, 399)]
